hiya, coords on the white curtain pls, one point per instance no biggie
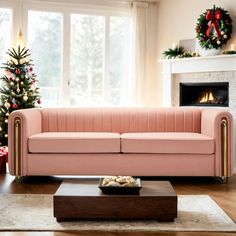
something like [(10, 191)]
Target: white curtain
[(144, 52)]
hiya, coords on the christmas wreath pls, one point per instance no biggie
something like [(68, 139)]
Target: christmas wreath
[(214, 28)]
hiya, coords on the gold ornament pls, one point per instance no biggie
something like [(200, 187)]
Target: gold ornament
[(6, 121), (0, 128), (25, 98), (7, 105), (6, 135)]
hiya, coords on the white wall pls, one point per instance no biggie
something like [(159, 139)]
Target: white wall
[(176, 21)]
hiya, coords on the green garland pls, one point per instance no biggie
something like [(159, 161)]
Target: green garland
[(214, 28), (178, 52), (173, 52)]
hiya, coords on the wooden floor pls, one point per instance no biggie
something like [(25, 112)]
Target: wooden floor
[(223, 194)]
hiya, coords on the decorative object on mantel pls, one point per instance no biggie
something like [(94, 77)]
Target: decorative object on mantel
[(178, 52), (214, 28)]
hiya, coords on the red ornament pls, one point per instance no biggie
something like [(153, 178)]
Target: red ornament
[(39, 101), (18, 71), (31, 69), (14, 106)]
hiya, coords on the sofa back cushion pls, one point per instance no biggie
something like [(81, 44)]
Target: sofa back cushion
[(121, 120)]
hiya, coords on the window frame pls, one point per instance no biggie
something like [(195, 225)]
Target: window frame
[(66, 9)]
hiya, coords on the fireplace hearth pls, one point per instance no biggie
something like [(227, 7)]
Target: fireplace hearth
[(204, 94)]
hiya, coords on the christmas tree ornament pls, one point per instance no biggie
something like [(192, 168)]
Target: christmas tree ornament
[(16, 74), (7, 105), (39, 101), (14, 106), (0, 129), (25, 98), (214, 28), (17, 71)]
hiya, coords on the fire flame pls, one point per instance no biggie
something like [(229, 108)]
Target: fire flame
[(207, 97)]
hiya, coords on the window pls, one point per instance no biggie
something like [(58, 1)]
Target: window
[(45, 43), (119, 63), (5, 32), (86, 61), (99, 60), (96, 66)]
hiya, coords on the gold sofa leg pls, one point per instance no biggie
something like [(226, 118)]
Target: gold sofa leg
[(224, 151), (19, 179), (17, 148)]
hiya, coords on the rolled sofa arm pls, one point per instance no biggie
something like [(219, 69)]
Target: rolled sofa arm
[(21, 124), (218, 124)]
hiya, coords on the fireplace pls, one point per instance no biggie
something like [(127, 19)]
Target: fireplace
[(204, 94)]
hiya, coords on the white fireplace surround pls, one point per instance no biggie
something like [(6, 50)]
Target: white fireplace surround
[(220, 68), (196, 65)]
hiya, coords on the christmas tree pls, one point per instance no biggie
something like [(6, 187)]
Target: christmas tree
[(18, 86)]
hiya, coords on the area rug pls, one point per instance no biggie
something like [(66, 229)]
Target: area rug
[(35, 212)]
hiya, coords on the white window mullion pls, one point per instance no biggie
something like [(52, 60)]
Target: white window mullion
[(106, 76), (66, 59)]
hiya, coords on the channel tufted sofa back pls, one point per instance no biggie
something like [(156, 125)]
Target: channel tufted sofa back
[(121, 120)]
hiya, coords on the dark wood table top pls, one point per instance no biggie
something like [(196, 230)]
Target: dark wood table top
[(90, 188)]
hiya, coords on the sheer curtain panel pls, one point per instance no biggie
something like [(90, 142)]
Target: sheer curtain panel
[(144, 51)]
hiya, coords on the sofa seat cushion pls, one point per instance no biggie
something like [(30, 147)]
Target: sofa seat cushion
[(74, 142), (167, 142)]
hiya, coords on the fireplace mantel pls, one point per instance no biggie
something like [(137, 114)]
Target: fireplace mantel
[(192, 65)]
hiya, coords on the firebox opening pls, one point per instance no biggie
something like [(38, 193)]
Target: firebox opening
[(204, 94)]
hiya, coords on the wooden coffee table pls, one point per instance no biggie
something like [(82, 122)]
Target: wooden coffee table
[(82, 199)]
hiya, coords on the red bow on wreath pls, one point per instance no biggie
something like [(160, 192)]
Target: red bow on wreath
[(214, 21)]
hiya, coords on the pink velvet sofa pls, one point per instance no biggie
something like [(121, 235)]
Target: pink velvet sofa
[(121, 141)]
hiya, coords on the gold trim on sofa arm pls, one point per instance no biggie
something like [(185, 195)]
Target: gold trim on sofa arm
[(17, 147), (224, 147)]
